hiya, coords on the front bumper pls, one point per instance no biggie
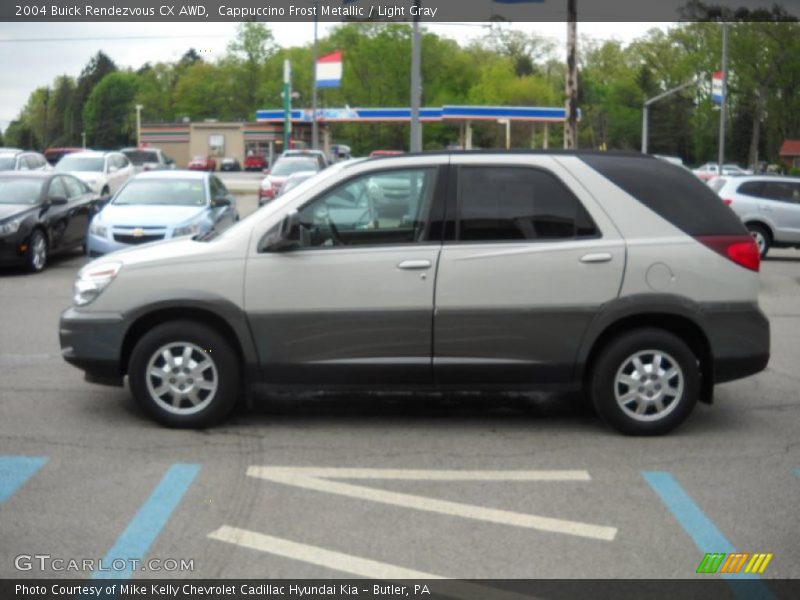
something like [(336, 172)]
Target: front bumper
[(11, 252), (93, 343), (739, 336)]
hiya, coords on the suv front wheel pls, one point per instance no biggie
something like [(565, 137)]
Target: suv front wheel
[(645, 382), (184, 374)]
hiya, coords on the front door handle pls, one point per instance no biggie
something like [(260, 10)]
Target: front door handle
[(413, 265), (596, 257)]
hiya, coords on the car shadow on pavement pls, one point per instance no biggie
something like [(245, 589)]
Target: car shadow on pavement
[(390, 406)]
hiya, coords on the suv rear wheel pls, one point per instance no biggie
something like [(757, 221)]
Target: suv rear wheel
[(184, 374), (645, 382), (761, 236)]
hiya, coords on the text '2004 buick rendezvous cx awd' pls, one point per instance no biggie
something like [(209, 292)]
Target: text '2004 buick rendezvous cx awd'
[(620, 275)]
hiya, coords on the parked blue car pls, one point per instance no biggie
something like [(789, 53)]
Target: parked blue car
[(159, 205)]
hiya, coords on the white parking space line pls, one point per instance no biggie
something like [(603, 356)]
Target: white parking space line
[(347, 563), (423, 475), (299, 478)]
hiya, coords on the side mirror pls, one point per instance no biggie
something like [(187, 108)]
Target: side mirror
[(58, 200), (288, 235), (220, 201)]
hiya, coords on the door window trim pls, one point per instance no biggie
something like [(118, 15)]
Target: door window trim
[(436, 206), (453, 221)]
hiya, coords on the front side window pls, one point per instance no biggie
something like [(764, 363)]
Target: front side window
[(498, 204), (752, 188), (388, 207), (57, 189), (75, 188)]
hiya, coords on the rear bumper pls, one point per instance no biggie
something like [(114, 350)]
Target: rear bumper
[(739, 336), (92, 343)]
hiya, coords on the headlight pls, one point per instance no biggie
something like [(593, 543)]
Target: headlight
[(97, 228), (186, 230), (11, 226), (92, 281)]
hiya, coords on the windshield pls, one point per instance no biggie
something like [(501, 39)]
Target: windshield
[(175, 192), (81, 163), (139, 157), (20, 191), (7, 163), (288, 166)]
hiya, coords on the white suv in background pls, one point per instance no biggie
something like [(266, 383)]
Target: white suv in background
[(769, 206), (103, 172), (619, 275)]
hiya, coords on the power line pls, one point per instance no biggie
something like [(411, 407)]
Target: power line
[(114, 38)]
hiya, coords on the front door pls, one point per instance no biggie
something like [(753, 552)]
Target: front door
[(353, 304)]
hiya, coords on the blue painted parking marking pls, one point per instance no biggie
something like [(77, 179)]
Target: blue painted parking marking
[(705, 535), (148, 521), (15, 471)]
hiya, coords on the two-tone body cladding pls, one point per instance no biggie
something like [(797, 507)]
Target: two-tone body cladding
[(615, 274)]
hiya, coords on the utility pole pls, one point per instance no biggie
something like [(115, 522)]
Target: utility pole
[(571, 121), (723, 107), (415, 143), (139, 108), (314, 130), (287, 103)]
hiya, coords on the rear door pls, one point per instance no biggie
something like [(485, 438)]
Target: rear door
[(79, 207), (528, 259)]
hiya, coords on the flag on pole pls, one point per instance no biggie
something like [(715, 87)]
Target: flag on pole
[(716, 87), (329, 70)]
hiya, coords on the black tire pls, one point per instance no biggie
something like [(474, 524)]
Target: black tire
[(37, 254), (612, 362), (105, 191), (757, 231), (210, 346)]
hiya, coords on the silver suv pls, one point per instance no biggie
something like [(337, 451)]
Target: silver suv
[(768, 205), (620, 275)]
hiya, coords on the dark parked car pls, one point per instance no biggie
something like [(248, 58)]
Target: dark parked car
[(42, 212), (230, 164)]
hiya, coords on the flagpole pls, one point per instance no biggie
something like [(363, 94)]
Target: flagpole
[(314, 129)]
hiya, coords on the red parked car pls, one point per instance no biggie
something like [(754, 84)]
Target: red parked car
[(255, 162), (203, 163)]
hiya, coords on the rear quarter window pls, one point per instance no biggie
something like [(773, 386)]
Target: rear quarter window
[(671, 192)]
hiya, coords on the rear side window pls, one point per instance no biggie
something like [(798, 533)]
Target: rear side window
[(752, 188), (784, 191), (518, 203), (673, 193)]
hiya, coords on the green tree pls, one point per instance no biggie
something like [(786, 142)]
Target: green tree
[(95, 70), (109, 115)]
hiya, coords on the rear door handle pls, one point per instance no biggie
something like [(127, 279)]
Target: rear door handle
[(412, 265), (596, 257)]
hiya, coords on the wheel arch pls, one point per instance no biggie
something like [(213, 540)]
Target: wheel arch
[(678, 316), (228, 321)]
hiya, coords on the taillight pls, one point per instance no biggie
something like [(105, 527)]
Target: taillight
[(727, 201), (741, 249)]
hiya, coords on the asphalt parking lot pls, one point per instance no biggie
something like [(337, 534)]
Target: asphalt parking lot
[(392, 486)]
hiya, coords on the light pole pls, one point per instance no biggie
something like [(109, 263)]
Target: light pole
[(139, 108), (287, 103), (415, 143), (646, 109)]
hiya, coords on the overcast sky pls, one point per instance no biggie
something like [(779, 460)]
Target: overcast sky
[(53, 49)]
